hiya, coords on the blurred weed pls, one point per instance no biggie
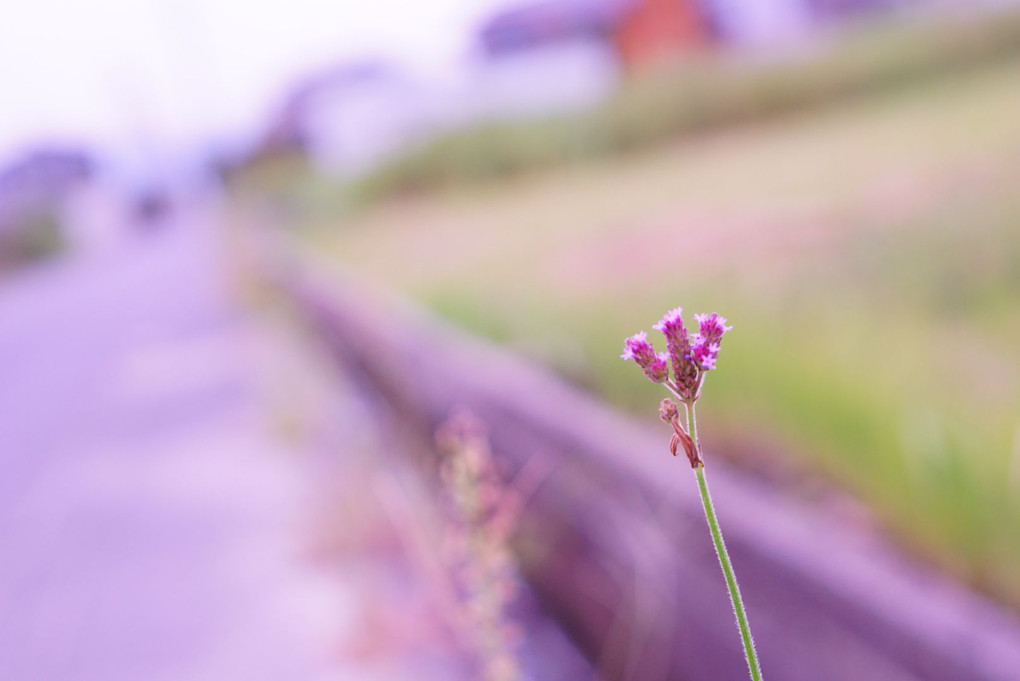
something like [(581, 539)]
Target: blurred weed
[(482, 513)]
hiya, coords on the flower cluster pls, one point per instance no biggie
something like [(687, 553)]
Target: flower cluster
[(689, 355)]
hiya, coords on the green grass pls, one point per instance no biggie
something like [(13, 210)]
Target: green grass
[(868, 255)]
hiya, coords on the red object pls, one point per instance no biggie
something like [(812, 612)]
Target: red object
[(654, 30)]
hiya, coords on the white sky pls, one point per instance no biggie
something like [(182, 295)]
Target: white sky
[(175, 73)]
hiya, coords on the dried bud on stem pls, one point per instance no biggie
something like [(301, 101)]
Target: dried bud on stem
[(668, 411)]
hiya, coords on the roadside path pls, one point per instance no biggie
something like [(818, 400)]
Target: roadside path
[(151, 527)]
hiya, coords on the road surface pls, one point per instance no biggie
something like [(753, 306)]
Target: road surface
[(150, 525)]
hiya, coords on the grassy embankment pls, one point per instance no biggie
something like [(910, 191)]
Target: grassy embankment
[(868, 254)]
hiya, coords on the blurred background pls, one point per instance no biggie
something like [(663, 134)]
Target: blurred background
[(194, 489)]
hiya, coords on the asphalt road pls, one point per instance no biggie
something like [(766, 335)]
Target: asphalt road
[(150, 528)]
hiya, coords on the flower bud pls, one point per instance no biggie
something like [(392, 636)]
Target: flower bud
[(668, 410)]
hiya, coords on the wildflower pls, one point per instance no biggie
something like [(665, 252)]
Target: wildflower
[(704, 354), (705, 344), (678, 345), (641, 351), (678, 342), (712, 327), (691, 356)]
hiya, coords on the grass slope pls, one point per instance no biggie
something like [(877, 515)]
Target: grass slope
[(868, 254)]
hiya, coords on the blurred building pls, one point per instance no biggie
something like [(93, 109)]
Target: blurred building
[(544, 58), (560, 55), (350, 117), (532, 59), (355, 116), (637, 32), (553, 57), (640, 33)]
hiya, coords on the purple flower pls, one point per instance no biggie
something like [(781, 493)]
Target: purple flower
[(712, 327), (672, 327), (678, 344), (641, 351), (704, 353), (638, 349), (690, 355), (705, 343)]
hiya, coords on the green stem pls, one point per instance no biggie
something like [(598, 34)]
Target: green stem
[(724, 557)]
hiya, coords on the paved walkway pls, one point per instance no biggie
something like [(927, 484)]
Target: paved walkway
[(151, 527)]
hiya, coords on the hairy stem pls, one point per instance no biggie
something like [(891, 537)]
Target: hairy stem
[(724, 557)]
